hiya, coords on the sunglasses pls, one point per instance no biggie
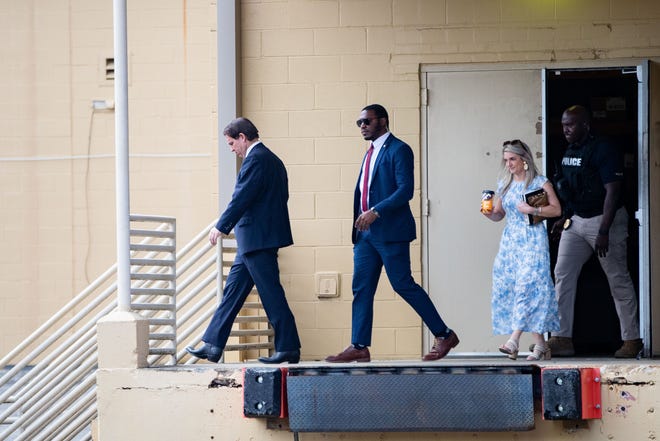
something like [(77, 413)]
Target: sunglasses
[(365, 121), (512, 142)]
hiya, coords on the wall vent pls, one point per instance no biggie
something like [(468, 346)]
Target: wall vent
[(110, 69)]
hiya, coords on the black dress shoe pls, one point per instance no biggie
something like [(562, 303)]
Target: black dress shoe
[(280, 357), (206, 352)]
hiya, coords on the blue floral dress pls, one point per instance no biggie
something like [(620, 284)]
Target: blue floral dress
[(523, 296)]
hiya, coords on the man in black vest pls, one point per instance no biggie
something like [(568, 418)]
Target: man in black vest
[(596, 221)]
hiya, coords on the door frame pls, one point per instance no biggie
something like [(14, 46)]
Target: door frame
[(642, 214)]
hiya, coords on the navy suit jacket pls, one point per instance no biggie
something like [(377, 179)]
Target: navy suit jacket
[(258, 210), (392, 185)]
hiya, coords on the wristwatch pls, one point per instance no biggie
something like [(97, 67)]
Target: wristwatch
[(374, 211)]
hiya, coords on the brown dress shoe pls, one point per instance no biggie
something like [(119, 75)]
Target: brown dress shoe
[(350, 354), (442, 346)]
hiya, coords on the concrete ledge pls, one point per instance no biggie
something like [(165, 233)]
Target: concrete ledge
[(205, 402)]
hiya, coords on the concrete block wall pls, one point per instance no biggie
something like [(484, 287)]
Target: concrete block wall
[(310, 66), (57, 171)]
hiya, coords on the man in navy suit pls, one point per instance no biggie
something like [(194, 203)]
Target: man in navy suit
[(259, 216), (382, 231)]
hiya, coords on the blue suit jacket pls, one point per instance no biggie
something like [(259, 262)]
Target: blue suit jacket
[(258, 210), (392, 185)]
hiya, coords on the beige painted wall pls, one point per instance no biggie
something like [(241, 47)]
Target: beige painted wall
[(309, 66), (57, 222)]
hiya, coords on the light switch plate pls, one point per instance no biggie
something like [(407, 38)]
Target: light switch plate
[(327, 284)]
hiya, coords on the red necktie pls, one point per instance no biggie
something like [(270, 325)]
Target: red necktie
[(365, 181)]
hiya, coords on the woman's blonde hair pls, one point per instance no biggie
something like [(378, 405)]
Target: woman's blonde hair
[(521, 149)]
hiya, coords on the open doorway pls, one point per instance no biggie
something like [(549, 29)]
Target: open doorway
[(612, 97), (468, 110)]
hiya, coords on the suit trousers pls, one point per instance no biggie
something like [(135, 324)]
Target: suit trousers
[(258, 268), (369, 256), (576, 246)]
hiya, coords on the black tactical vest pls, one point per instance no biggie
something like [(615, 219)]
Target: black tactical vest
[(586, 190)]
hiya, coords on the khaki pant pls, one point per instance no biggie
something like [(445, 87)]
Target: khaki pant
[(576, 246)]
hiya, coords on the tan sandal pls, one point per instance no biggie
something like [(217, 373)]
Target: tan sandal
[(539, 353), (510, 348)]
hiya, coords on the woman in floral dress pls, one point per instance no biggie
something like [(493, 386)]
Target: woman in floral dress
[(523, 296)]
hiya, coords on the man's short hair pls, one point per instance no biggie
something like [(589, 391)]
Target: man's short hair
[(379, 111), (241, 125), (580, 111)]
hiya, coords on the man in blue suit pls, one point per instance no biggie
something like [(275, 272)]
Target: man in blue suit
[(259, 216), (382, 231)]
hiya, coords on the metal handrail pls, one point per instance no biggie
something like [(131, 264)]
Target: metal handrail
[(155, 296), (54, 336), (61, 396), (76, 301), (58, 397), (51, 359), (23, 400)]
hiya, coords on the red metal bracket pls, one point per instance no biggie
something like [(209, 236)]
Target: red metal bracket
[(284, 409), (592, 405)]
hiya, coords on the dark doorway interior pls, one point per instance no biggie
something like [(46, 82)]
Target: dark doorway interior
[(611, 96)]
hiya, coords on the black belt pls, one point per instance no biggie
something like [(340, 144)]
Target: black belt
[(592, 213), (588, 214)]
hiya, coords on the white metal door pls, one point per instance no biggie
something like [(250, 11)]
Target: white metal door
[(468, 115), (651, 323)]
